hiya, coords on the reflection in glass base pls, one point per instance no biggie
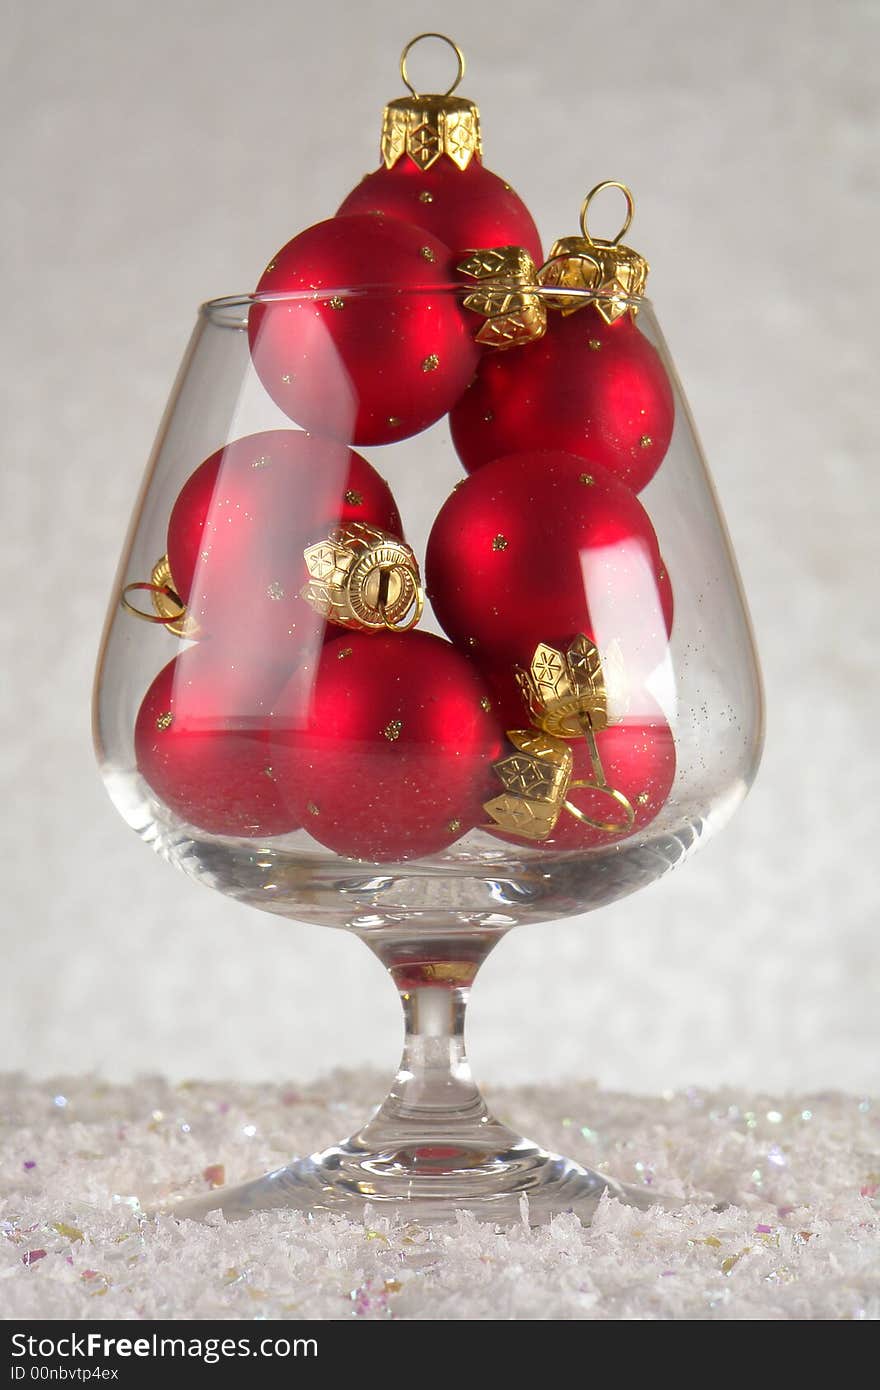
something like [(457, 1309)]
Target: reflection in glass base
[(486, 885), (427, 1182)]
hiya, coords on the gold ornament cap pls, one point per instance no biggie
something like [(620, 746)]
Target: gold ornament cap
[(537, 778), (365, 579), (614, 274), (425, 127), (566, 692), (505, 296)]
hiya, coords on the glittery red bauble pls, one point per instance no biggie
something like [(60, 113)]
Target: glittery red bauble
[(464, 208), (539, 547), (593, 389), (202, 744), (367, 368), (242, 520), (395, 759), (638, 759)]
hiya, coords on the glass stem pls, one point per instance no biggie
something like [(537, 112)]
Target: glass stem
[(433, 1098), (434, 1076)]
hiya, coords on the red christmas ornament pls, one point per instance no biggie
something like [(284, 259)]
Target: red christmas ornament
[(432, 176), (395, 760), (202, 744), (638, 760), (242, 520), (365, 368), (539, 547), (594, 389), (464, 208)]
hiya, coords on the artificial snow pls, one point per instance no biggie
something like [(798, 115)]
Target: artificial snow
[(781, 1219)]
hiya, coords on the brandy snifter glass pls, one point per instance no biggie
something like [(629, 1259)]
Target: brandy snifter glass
[(231, 680)]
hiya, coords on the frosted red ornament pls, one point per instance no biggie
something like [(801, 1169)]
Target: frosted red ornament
[(432, 175), (464, 208), (593, 389), (538, 547), (365, 368), (242, 520), (394, 761), (202, 743)]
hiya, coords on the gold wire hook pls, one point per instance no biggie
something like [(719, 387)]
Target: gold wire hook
[(444, 38), (585, 208)]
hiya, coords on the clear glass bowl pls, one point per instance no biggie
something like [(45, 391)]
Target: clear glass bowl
[(243, 815)]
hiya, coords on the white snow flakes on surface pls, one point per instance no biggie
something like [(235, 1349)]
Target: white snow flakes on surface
[(799, 1237)]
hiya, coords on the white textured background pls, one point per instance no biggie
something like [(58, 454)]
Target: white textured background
[(155, 154)]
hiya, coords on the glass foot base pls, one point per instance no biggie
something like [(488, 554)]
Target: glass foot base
[(429, 1182)]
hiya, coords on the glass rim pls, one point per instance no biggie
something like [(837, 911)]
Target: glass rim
[(231, 311)]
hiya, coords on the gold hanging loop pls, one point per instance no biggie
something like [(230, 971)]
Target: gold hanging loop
[(157, 590), (169, 609), (599, 784), (585, 211), (609, 826), (415, 616), (444, 38)]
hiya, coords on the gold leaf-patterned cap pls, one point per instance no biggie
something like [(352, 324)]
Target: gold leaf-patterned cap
[(535, 778), (564, 691), (424, 128), (505, 296)]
